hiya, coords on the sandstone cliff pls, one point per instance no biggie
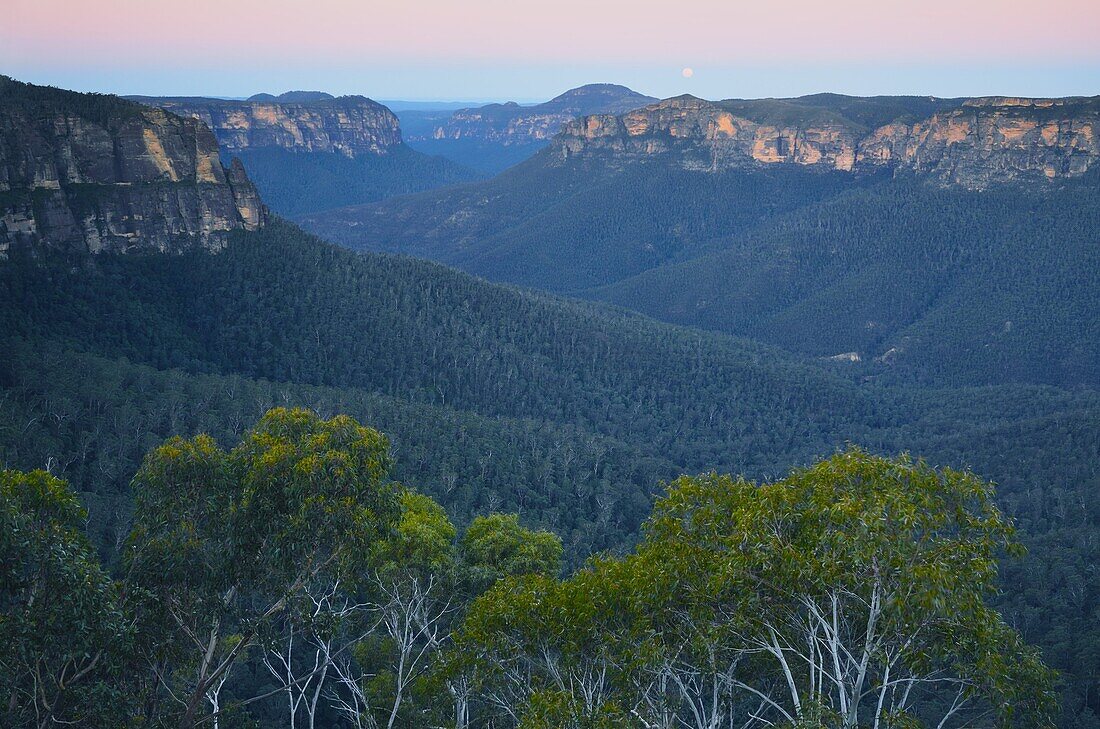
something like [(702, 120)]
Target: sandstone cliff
[(298, 121), (514, 124), (95, 172), (972, 143)]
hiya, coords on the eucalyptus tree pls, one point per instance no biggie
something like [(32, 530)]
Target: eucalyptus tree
[(311, 639), (494, 547), (852, 593), (544, 651), (64, 636), (498, 546), (414, 582), (224, 542)]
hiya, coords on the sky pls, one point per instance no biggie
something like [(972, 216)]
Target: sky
[(469, 50)]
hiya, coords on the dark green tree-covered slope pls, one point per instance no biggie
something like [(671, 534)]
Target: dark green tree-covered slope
[(937, 284), (942, 284), (495, 397), (283, 306)]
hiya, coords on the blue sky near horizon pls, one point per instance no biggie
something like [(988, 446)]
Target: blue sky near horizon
[(482, 50), (476, 84)]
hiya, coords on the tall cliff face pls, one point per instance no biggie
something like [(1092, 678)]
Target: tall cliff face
[(352, 126), (972, 143), (95, 172), (514, 124)]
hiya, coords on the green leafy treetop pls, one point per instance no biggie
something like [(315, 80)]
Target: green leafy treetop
[(224, 541), (497, 546), (851, 593), (61, 621)]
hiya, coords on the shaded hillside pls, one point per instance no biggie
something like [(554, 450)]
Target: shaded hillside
[(502, 398), (581, 224), (829, 225), (915, 281)]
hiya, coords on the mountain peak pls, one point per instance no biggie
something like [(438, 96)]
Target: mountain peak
[(596, 99), (293, 97), (598, 89), (510, 123)]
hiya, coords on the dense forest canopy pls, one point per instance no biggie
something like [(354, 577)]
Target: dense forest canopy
[(939, 285), (497, 399), (290, 575)]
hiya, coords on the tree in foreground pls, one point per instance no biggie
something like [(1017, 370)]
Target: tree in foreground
[(850, 594), (62, 627), (418, 584), (225, 543)]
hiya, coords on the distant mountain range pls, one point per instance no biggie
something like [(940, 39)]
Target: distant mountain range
[(511, 123), (833, 226), (969, 142), (496, 136)]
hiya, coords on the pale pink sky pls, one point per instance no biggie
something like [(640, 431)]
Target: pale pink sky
[(118, 38)]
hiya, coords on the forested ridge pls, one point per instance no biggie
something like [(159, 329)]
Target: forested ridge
[(940, 285), (499, 399)]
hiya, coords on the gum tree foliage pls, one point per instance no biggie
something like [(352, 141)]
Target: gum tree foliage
[(852, 593), (419, 582), (497, 546), (62, 626), (290, 553), (223, 542)]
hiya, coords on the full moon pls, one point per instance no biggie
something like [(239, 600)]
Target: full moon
[(688, 72)]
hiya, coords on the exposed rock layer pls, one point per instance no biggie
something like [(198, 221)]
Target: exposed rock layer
[(95, 172), (349, 125), (972, 143), (514, 124)]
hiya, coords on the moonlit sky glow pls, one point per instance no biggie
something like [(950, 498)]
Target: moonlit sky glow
[(503, 49)]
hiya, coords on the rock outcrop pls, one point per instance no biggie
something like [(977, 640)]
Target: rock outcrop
[(299, 121), (99, 173), (514, 124), (973, 143)]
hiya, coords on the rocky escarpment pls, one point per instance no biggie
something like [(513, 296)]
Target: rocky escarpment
[(972, 143), (352, 126), (514, 124), (98, 173)]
